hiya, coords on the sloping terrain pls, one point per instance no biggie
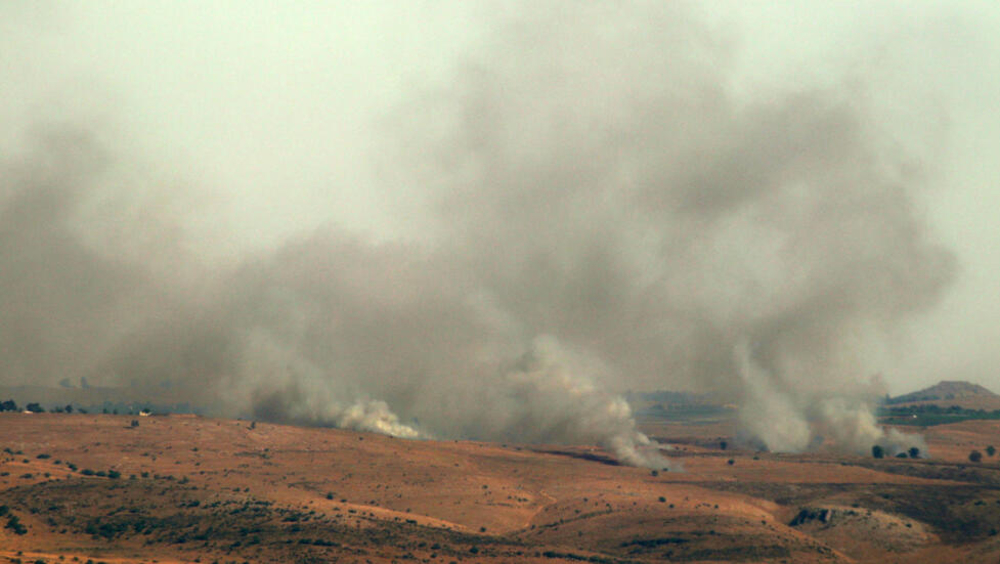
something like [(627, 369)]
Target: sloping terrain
[(948, 393), (185, 489)]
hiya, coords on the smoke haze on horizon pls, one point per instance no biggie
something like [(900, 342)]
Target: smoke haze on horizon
[(587, 201)]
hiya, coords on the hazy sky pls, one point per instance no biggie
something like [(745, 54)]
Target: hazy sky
[(278, 115)]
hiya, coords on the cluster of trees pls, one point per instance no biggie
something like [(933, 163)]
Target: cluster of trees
[(108, 408), (13, 523), (34, 407), (976, 456), (914, 452), (879, 452)]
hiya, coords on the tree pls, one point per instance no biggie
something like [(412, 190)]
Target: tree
[(8, 405), (914, 452), (878, 451), (975, 456), (990, 450), (34, 408)]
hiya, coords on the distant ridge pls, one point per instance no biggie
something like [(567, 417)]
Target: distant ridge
[(952, 392)]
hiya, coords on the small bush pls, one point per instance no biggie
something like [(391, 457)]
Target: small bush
[(878, 452), (14, 524), (975, 456)]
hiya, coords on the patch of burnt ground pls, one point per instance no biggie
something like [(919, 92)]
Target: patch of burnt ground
[(179, 518), (959, 513)]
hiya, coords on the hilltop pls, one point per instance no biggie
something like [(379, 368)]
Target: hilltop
[(951, 392)]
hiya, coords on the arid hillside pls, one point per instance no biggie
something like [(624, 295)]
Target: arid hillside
[(948, 393), (175, 488)]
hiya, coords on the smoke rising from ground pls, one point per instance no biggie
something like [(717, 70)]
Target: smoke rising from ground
[(595, 208)]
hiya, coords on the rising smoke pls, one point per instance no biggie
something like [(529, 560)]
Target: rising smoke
[(597, 211)]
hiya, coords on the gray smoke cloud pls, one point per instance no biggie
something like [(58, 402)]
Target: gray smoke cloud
[(596, 210)]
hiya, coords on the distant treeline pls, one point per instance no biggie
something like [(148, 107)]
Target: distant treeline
[(909, 398), (929, 414), (681, 412), (105, 408)]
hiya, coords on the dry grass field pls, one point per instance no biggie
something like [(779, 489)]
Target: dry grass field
[(80, 488)]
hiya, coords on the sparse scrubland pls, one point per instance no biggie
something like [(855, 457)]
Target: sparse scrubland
[(185, 488)]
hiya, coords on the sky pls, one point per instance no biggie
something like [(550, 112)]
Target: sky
[(250, 123)]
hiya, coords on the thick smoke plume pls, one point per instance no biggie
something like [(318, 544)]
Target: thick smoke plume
[(596, 211)]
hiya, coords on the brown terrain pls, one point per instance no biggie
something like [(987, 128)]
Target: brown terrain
[(948, 393), (79, 487)]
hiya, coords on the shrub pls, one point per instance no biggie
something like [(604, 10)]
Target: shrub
[(914, 452), (14, 524), (990, 451), (35, 408), (975, 456), (878, 452)]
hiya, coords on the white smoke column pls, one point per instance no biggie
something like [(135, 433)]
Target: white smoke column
[(786, 418), (768, 414), (553, 397), (290, 387)]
